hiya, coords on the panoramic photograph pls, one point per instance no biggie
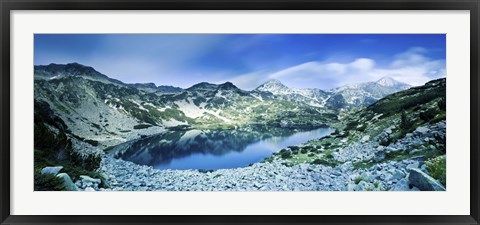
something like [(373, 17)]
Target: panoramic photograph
[(239, 112)]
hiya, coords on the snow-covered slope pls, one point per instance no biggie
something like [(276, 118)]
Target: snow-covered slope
[(311, 96), (369, 92), (341, 97)]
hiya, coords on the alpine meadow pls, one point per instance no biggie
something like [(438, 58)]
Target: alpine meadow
[(239, 112)]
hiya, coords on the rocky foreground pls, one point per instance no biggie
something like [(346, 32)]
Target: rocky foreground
[(404, 175), (126, 176)]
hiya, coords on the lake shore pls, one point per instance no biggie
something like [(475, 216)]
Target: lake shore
[(278, 175)]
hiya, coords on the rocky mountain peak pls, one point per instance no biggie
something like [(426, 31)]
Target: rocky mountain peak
[(67, 69), (274, 82), (228, 85), (274, 87), (203, 86), (389, 82)]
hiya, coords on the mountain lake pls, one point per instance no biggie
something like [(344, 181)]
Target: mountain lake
[(213, 149)]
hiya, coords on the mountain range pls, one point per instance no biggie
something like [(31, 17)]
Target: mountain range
[(95, 106)]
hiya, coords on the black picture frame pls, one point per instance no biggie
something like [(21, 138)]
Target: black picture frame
[(5, 189)]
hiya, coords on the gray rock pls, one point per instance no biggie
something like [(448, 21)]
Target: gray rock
[(423, 181), (364, 186), (67, 182), (392, 149), (351, 187), (87, 179), (365, 138), (379, 156), (89, 189), (422, 130), (424, 168), (401, 185), (397, 175), (52, 170), (419, 158), (336, 173), (413, 165), (414, 151)]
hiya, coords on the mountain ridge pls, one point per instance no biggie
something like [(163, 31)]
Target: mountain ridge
[(360, 94), (348, 95)]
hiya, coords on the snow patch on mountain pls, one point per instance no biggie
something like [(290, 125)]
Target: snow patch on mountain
[(310, 96), (390, 82), (173, 123), (190, 109)]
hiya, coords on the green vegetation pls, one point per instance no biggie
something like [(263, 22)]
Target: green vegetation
[(442, 104), (405, 123), (358, 179), (141, 126), (55, 149), (410, 98), (324, 162), (285, 154), (428, 115), (47, 182), (363, 165), (437, 167), (352, 125)]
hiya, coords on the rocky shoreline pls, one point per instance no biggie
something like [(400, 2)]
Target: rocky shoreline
[(409, 174), (274, 176)]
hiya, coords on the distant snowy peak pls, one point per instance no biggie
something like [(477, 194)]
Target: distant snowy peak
[(369, 92), (310, 96), (275, 87), (390, 82)]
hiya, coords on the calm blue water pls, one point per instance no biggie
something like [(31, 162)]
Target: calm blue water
[(214, 149)]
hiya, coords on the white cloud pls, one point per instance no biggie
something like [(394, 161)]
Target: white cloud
[(412, 57), (411, 67), (248, 81)]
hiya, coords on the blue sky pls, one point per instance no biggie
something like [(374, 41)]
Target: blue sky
[(298, 60)]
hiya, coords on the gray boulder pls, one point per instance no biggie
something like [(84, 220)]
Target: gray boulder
[(90, 189), (87, 179), (401, 185), (413, 165), (397, 175), (422, 130), (423, 181), (51, 170), (379, 156), (365, 138), (364, 186), (67, 182)]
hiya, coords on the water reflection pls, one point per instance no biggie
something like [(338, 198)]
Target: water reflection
[(213, 149)]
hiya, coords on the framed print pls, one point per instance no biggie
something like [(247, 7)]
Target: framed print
[(281, 112)]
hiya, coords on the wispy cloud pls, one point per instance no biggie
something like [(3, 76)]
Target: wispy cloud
[(412, 67)]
